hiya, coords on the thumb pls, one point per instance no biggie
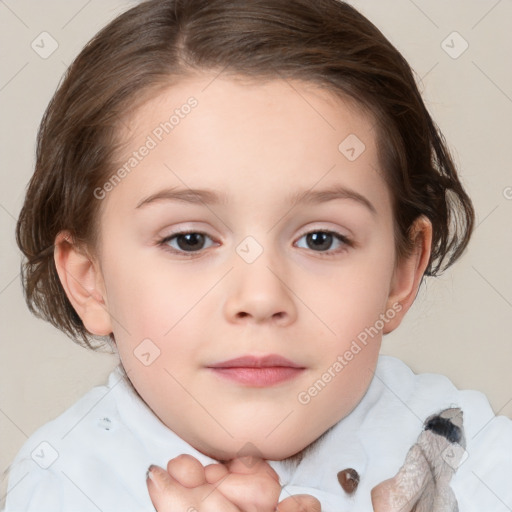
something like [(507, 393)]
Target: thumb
[(159, 483), (300, 503)]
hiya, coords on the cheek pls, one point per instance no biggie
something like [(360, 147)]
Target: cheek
[(148, 297), (338, 386), (356, 314), (352, 299), (158, 314)]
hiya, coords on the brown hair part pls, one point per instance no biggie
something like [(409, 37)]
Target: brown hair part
[(151, 46)]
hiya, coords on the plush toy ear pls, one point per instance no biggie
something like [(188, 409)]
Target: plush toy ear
[(82, 281), (409, 272)]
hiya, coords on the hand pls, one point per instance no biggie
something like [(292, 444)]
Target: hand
[(242, 485), (184, 488), (254, 486)]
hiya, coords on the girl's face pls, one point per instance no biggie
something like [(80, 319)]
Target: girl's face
[(288, 252)]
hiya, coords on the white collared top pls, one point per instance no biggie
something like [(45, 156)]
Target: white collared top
[(95, 455)]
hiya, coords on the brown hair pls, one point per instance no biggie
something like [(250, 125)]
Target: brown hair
[(325, 42)]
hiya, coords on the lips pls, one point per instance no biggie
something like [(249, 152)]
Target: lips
[(257, 372), (256, 362)]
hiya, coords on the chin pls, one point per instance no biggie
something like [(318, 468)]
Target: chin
[(255, 448), (277, 450)]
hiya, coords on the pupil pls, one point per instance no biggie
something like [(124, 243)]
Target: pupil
[(320, 240), (192, 239)]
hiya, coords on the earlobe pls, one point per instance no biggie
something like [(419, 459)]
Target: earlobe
[(83, 283), (409, 272)]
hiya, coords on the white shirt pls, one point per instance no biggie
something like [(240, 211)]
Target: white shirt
[(95, 455)]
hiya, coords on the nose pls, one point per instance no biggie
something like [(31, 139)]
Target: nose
[(260, 292)]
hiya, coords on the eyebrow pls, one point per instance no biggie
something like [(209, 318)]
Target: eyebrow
[(210, 197)]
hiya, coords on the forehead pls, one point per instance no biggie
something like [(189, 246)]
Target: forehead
[(234, 135)]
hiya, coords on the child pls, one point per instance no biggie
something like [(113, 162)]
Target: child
[(289, 142)]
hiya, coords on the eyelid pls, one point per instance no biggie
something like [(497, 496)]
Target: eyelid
[(327, 227), (183, 232)]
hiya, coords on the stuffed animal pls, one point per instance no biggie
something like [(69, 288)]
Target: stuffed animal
[(423, 482)]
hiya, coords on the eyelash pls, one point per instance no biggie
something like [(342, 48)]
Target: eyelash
[(338, 236)]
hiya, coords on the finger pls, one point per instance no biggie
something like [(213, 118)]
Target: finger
[(159, 484), (168, 495), (300, 503), (187, 470), (251, 466), (251, 484), (215, 472)]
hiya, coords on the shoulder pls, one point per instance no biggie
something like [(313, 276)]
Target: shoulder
[(426, 393), (64, 463), (62, 430), (483, 478), (56, 433), (38, 473)]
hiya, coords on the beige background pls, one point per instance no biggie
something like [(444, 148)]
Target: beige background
[(461, 322)]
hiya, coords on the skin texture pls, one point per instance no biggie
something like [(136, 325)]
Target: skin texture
[(258, 143)]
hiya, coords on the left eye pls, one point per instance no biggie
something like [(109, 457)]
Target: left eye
[(321, 241)]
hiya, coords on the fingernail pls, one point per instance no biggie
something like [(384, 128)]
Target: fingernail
[(150, 473)]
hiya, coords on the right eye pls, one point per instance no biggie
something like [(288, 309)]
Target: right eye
[(184, 242)]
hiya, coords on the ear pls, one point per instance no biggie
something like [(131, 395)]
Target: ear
[(409, 272), (82, 281)]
